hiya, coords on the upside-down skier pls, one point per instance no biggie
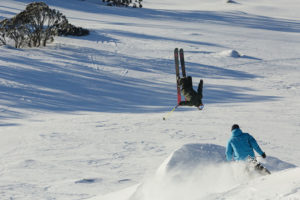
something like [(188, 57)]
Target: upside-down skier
[(192, 97)]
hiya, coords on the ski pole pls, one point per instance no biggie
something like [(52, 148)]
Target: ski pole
[(166, 115)]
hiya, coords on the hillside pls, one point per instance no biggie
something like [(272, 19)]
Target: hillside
[(82, 117)]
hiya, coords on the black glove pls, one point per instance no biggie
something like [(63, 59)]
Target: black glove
[(263, 155)]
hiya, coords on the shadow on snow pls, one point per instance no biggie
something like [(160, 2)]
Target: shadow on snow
[(240, 19), (86, 79)]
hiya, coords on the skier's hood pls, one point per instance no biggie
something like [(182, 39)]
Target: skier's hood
[(236, 132)]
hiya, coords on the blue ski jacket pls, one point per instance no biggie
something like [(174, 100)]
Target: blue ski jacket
[(241, 145)]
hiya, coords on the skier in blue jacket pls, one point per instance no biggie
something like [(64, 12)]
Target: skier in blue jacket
[(240, 146)]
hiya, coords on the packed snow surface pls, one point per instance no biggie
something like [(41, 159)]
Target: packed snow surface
[(82, 117)]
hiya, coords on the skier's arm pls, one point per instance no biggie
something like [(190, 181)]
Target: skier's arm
[(255, 145), (200, 88), (229, 151)]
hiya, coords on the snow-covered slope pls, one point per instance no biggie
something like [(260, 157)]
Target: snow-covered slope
[(82, 117), (199, 171)]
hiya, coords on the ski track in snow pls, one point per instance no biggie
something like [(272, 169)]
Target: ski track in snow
[(82, 117)]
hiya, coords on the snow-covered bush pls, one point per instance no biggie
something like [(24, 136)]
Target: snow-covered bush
[(12, 29), (2, 39), (124, 3), (36, 25), (2, 32), (65, 29)]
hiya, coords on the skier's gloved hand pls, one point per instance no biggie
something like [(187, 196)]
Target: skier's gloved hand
[(201, 107), (263, 155)]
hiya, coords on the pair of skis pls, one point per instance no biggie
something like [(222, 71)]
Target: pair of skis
[(178, 54)]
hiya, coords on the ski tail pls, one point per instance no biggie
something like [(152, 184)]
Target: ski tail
[(177, 75), (182, 62)]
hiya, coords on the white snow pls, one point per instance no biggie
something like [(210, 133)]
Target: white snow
[(230, 53), (82, 117)]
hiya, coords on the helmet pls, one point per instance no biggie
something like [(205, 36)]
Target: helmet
[(235, 126)]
